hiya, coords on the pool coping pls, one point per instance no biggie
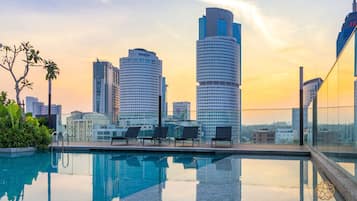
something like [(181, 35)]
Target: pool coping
[(213, 150), (336, 174)]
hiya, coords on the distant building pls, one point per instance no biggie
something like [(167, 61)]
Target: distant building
[(285, 136), (219, 73), (30, 105), (106, 89), (80, 125), (347, 29), (106, 132), (35, 107), (263, 136), (175, 127), (311, 88), (296, 120), (335, 134), (39, 109), (164, 98), (140, 79), (182, 110)]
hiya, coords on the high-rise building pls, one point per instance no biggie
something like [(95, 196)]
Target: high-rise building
[(106, 89), (347, 28), (311, 88), (296, 120), (219, 73), (140, 80), (182, 111), (164, 98)]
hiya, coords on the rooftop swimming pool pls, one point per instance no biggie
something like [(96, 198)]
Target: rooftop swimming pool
[(107, 176)]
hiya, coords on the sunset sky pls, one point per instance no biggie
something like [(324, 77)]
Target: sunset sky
[(278, 36)]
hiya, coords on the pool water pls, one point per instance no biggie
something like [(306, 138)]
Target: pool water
[(158, 177)]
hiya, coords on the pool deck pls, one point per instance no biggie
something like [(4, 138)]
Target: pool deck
[(279, 150)]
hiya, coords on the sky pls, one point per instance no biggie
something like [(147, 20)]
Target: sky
[(278, 36)]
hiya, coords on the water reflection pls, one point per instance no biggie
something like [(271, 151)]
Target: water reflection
[(157, 177), (16, 172)]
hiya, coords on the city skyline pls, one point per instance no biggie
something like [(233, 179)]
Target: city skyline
[(278, 59)]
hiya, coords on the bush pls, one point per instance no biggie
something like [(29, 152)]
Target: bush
[(19, 131)]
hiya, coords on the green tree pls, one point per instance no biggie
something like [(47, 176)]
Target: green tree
[(52, 71), (3, 99)]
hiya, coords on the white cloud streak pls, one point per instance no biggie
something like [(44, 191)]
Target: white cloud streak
[(250, 14)]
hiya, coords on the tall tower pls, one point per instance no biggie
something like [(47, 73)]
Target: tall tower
[(106, 89), (140, 80), (347, 28), (219, 73)]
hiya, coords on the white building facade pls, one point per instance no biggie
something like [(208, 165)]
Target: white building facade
[(80, 125), (219, 73), (140, 86), (285, 136)]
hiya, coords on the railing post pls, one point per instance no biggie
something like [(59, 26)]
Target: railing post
[(314, 121), (160, 105), (301, 180), (301, 106)]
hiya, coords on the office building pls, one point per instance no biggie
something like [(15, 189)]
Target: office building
[(140, 81), (311, 88), (296, 120), (181, 111), (31, 105), (263, 136), (347, 28), (219, 73), (36, 108), (106, 89), (285, 136), (164, 98), (80, 125), (106, 132), (39, 109)]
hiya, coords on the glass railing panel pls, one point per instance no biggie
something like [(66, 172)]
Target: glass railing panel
[(271, 126), (251, 126), (336, 111)]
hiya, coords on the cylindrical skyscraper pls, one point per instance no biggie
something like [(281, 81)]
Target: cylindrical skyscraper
[(140, 77), (219, 73)]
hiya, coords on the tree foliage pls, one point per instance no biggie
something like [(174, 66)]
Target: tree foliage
[(31, 58), (8, 60), (21, 132)]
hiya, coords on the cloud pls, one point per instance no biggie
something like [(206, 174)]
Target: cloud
[(251, 15), (105, 1)]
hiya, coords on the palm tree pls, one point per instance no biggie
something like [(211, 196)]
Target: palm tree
[(52, 73)]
